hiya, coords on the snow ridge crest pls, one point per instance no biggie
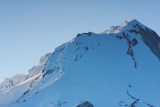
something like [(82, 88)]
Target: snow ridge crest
[(124, 26)]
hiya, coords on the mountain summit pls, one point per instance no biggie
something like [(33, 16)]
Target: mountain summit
[(150, 38), (116, 68)]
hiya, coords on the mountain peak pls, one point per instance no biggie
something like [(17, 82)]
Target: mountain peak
[(126, 25), (150, 37), (112, 66), (134, 21)]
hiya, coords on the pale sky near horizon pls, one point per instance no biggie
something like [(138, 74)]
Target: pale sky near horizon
[(31, 28)]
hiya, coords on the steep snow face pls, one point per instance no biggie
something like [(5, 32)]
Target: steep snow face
[(39, 68), (150, 37), (9, 83), (19, 85), (14, 94), (123, 27), (116, 69)]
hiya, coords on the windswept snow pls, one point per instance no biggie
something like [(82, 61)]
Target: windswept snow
[(38, 75), (123, 27), (13, 95), (9, 83)]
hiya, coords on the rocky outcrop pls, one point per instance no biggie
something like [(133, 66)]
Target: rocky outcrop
[(85, 104), (151, 39)]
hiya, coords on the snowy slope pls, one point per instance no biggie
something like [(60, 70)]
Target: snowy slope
[(17, 86), (117, 68), (8, 83)]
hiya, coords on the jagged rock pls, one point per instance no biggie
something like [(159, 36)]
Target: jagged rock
[(85, 104), (151, 39)]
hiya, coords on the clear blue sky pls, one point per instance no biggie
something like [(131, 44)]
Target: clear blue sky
[(31, 28)]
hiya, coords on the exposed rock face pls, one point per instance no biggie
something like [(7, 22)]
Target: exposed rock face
[(151, 39), (85, 104)]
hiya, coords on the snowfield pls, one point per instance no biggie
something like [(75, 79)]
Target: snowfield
[(116, 68)]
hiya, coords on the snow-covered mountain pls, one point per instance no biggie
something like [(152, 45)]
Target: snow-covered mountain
[(13, 88), (116, 68), (9, 83)]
